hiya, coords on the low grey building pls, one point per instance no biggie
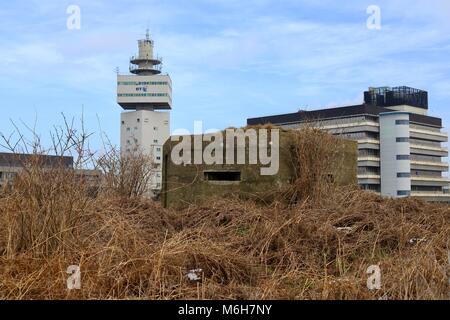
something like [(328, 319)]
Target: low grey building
[(12, 163)]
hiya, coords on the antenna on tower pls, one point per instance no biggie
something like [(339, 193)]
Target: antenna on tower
[(147, 34), (117, 70)]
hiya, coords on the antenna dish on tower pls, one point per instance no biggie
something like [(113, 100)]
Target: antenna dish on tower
[(144, 63)]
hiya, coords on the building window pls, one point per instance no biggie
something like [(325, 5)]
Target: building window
[(128, 142), (403, 175), (138, 120), (368, 153), (128, 129), (143, 83), (371, 187), (158, 158), (155, 128), (123, 122), (402, 139), (158, 149), (403, 193), (426, 173), (402, 122), (155, 141), (142, 94), (369, 170), (403, 157)]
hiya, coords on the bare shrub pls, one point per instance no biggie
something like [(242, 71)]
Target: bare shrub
[(127, 175)]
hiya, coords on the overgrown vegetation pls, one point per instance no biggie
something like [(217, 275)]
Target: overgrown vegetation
[(318, 160), (128, 247)]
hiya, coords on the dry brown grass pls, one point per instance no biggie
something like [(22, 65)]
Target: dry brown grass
[(130, 248)]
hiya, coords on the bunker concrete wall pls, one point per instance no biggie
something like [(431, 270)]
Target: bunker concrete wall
[(186, 184)]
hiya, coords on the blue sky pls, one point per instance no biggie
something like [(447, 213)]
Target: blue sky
[(228, 59)]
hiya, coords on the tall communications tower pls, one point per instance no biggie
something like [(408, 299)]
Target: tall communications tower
[(143, 94)]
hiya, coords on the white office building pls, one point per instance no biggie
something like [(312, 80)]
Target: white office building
[(401, 151), (146, 97)]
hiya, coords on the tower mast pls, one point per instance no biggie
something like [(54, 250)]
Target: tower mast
[(146, 96)]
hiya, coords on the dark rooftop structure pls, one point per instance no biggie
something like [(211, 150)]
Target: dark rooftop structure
[(388, 97)]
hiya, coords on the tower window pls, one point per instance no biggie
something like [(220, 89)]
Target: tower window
[(402, 139), (138, 120), (403, 157), (402, 122), (403, 175), (403, 193), (123, 122)]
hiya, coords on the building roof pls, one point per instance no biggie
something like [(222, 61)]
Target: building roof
[(339, 112)]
